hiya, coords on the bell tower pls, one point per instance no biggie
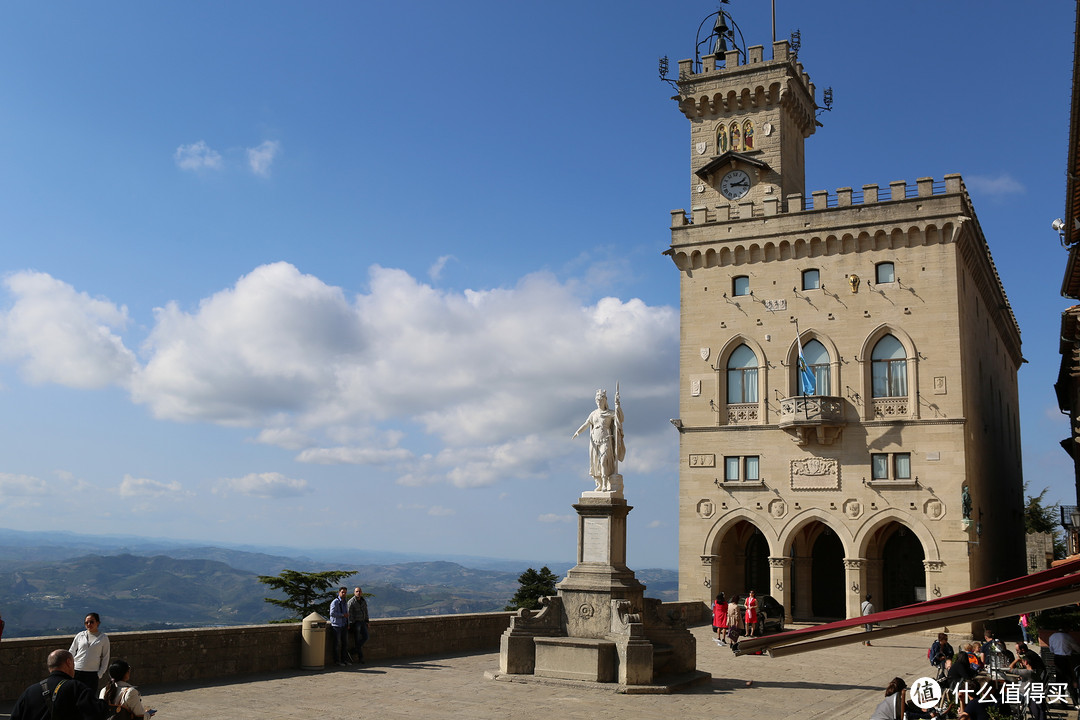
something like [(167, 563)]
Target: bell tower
[(748, 121)]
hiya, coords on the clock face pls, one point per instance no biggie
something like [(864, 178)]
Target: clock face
[(735, 184)]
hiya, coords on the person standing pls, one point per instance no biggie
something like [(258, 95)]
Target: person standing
[(733, 614), (91, 651), (720, 619), (339, 626), (867, 609), (1065, 650), (59, 696), (751, 614), (358, 621)]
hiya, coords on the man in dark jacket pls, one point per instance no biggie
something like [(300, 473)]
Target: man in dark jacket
[(59, 696)]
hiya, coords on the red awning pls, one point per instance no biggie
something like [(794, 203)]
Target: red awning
[(1039, 591)]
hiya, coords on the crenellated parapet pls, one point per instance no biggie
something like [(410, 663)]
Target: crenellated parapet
[(724, 86)]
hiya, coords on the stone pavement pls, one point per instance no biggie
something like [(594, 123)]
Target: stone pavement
[(838, 684)]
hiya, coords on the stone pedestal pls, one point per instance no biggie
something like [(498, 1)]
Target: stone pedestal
[(600, 575), (601, 628)]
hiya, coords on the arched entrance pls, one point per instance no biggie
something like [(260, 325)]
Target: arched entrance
[(757, 564), (895, 574), (827, 576), (904, 577), (817, 587), (741, 562)]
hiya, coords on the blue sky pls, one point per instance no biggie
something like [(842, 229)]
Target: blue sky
[(348, 274)]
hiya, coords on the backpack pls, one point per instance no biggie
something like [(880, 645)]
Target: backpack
[(117, 711)]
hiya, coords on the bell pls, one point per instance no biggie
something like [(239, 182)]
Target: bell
[(720, 30)]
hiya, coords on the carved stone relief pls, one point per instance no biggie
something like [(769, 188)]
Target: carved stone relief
[(815, 473), (853, 509), (706, 509)]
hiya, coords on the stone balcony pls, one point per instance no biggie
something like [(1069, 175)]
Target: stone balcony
[(812, 416)]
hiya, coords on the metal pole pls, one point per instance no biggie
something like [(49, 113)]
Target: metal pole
[(774, 20)]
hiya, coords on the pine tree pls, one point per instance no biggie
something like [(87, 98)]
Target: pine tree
[(306, 592), (534, 585)]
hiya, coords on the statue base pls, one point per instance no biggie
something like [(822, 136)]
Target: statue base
[(600, 628)]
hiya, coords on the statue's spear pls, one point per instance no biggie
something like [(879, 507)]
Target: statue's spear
[(618, 427)]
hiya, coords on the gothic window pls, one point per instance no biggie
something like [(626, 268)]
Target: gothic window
[(811, 279), (742, 376), (889, 368), (817, 361), (748, 135), (736, 140), (740, 285), (884, 272)]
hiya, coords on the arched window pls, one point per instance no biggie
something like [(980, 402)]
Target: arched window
[(889, 368), (817, 361), (811, 279), (742, 380), (740, 285), (884, 273)]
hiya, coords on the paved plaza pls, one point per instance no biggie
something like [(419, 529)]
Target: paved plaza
[(837, 684)]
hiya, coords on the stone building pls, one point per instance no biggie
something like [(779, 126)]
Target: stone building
[(892, 464)]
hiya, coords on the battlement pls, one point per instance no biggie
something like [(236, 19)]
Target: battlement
[(819, 200)]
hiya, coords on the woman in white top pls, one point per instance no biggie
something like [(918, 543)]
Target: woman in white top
[(121, 695), (91, 651)]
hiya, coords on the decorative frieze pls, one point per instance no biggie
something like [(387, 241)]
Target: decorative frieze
[(815, 473)]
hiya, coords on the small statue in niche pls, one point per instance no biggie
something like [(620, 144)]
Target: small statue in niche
[(606, 446), (965, 503)]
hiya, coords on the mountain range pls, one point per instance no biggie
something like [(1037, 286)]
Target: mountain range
[(49, 581)]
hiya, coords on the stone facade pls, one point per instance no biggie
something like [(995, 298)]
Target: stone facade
[(818, 498)]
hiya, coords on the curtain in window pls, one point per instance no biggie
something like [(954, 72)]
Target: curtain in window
[(889, 368), (742, 376)]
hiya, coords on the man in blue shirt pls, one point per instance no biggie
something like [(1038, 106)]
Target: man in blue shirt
[(339, 626)]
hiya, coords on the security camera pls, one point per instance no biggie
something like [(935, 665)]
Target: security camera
[(1058, 225)]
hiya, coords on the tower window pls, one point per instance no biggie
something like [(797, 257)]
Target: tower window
[(811, 279), (884, 272), (742, 376), (740, 285), (889, 368)]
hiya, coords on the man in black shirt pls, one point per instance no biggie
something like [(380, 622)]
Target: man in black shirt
[(59, 696)]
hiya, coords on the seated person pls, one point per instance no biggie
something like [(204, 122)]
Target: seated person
[(941, 651), (1027, 658)]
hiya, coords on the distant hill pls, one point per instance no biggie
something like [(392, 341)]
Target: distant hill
[(49, 581)]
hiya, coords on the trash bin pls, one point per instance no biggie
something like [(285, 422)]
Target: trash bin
[(313, 642)]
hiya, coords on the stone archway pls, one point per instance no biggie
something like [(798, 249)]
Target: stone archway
[(827, 576), (903, 581)]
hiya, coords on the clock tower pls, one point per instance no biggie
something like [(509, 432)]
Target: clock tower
[(848, 403), (747, 127)]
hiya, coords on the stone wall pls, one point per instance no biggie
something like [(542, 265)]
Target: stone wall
[(166, 656)]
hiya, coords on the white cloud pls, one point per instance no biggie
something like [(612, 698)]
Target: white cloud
[(469, 388), (11, 485), (1003, 184), (144, 487), (197, 156), (435, 271), (262, 157), (440, 511), (354, 455), (655, 524), (263, 485), (555, 518), (62, 336)]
